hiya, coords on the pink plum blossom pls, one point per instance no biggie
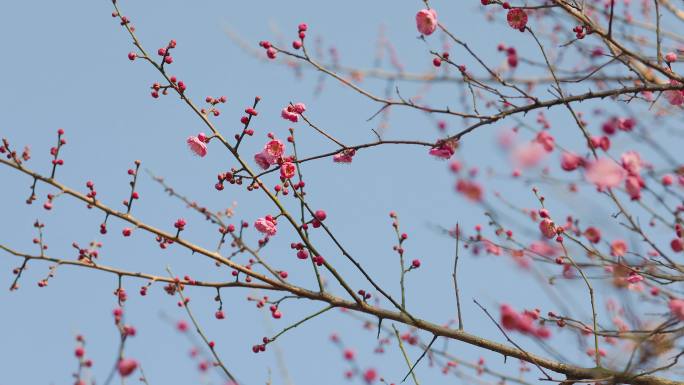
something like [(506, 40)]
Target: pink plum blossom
[(262, 160), (631, 161), (547, 228), (444, 149), (292, 112), (287, 170), (274, 150), (127, 366), (345, 156), (266, 225), (517, 18), (570, 161), (197, 144), (426, 21)]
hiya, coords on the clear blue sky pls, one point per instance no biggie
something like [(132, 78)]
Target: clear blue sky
[(65, 65)]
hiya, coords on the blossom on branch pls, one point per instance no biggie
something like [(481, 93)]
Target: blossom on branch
[(426, 21), (266, 225), (197, 144)]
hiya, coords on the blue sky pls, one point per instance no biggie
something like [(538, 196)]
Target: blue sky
[(65, 66)]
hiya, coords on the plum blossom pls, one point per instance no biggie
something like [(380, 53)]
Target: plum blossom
[(631, 161), (293, 111), (547, 228), (426, 21), (593, 234), (344, 156), (677, 245), (442, 152), (287, 170), (491, 248), (570, 161), (633, 185), (444, 149), (272, 152), (605, 173), (626, 124), (517, 18), (266, 225), (524, 323), (197, 144), (262, 160), (126, 366)]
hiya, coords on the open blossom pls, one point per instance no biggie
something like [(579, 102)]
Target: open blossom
[(266, 225), (602, 142), (292, 112), (287, 115), (197, 144), (426, 21), (517, 18), (287, 170), (605, 173), (677, 308), (571, 161), (547, 228), (344, 156), (262, 160), (442, 152), (274, 150)]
